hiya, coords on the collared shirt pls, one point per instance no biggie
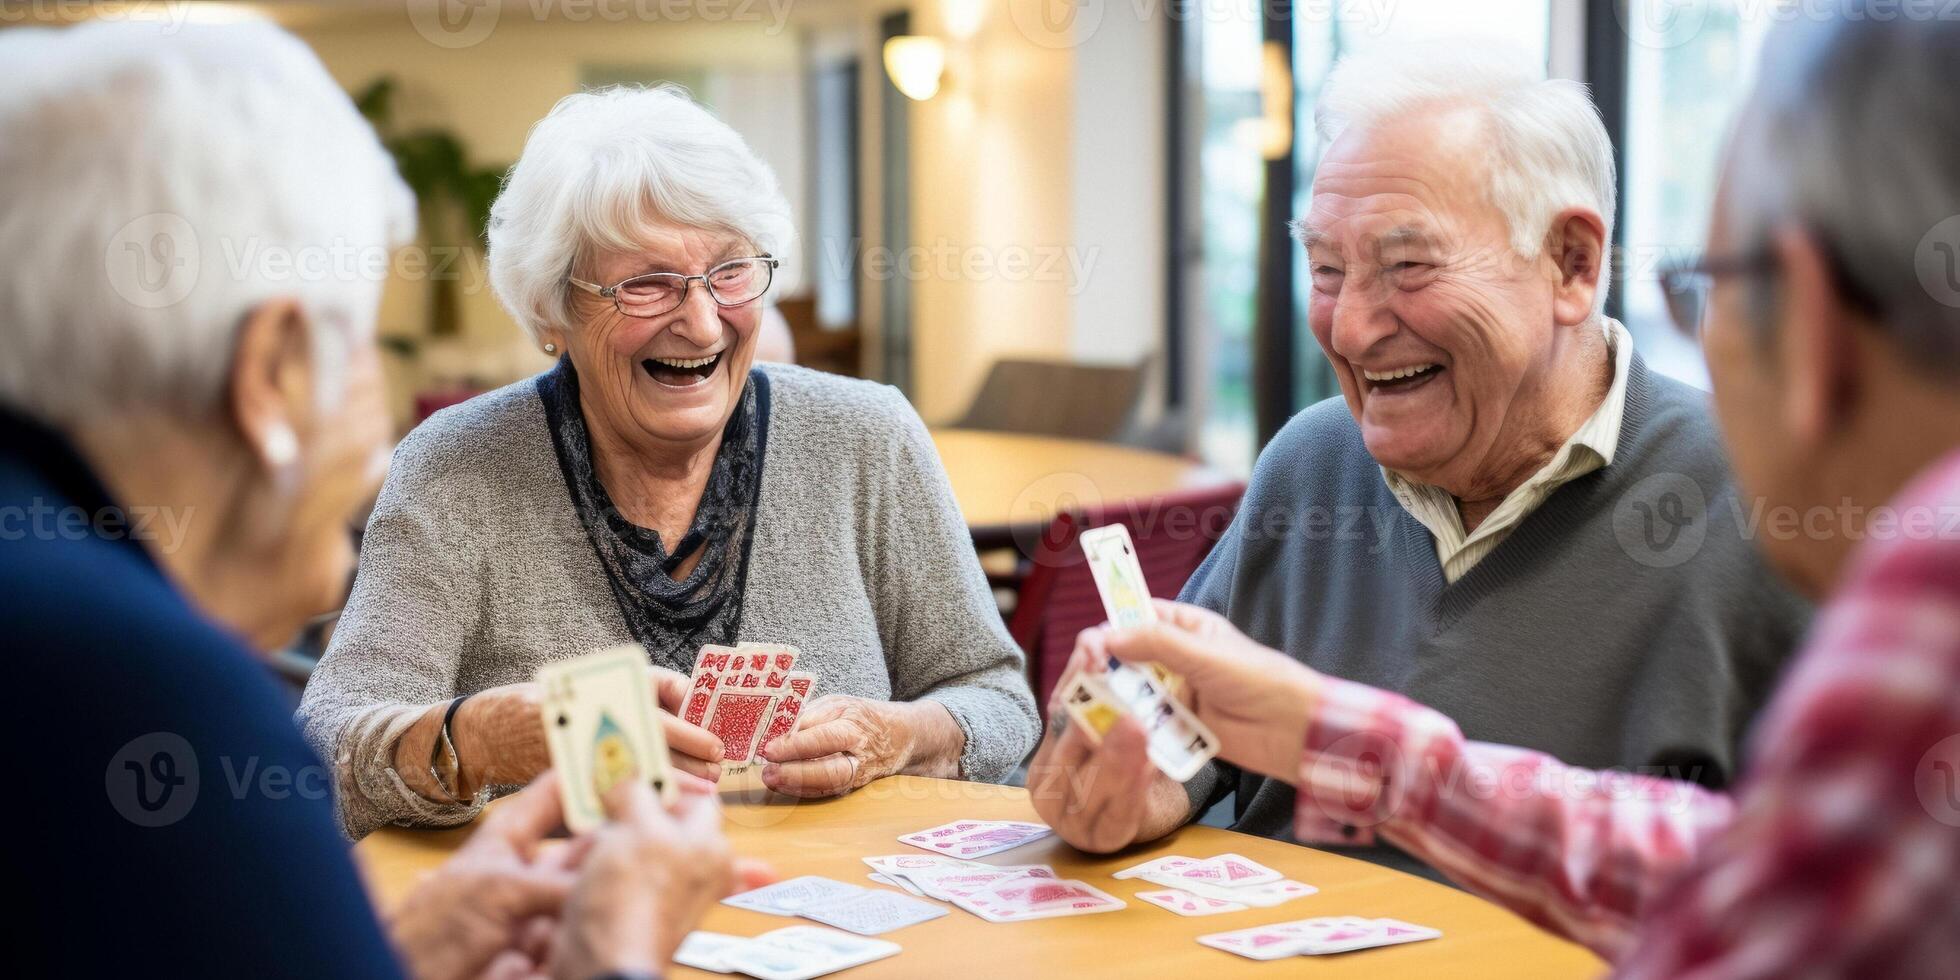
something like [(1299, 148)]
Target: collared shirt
[(1589, 448), (1839, 855)]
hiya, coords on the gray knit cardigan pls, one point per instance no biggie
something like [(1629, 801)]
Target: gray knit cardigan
[(475, 572)]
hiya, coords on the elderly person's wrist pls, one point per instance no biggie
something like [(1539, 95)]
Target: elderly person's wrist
[(933, 739), (499, 737)]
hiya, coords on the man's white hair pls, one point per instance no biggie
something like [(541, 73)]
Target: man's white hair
[(1548, 148), (600, 171), (160, 185)]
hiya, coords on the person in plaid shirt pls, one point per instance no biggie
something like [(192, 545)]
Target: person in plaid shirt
[(1829, 308)]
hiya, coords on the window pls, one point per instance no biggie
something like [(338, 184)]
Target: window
[(1226, 51), (1684, 82)]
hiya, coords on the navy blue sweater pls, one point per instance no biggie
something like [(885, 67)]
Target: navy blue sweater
[(167, 816)]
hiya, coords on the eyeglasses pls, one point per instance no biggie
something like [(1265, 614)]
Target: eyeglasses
[(732, 283), (1687, 285)]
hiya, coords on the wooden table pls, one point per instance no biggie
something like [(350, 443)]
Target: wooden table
[(1008, 483), (831, 837)]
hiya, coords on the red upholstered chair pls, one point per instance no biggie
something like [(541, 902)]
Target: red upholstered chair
[(1058, 599)]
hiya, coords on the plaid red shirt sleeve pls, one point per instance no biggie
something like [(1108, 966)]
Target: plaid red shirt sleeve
[(1840, 855)]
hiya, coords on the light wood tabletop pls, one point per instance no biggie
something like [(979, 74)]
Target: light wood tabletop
[(831, 837), (1007, 482)]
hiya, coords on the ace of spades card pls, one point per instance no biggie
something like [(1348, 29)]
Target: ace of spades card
[(601, 727)]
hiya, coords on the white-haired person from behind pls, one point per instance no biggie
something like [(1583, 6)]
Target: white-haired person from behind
[(183, 441), (658, 486), (1548, 549)]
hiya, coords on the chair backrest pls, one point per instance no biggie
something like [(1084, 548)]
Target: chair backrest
[(1172, 534), (1056, 398)]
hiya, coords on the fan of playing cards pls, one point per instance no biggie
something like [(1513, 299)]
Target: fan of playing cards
[(1179, 744), (748, 696)]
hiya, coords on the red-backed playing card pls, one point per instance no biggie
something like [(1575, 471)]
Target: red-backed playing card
[(789, 707), (737, 717)]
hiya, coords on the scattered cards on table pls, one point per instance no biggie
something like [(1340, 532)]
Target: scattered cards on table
[(748, 696), (602, 726), (1209, 886), (996, 893), (791, 953), (1316, 937), (1179, 744), (865, 911), (976, 838)]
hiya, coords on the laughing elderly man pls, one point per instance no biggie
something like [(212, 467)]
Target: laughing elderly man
[(1552, 554)]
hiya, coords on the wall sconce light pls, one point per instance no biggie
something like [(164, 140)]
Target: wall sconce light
[(915, 63), (1275, 102)]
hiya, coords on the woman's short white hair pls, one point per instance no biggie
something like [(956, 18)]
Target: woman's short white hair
[(600, 171), (160, 184), (1548, 148)]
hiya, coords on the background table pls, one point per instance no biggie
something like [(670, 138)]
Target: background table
[(831, 837), (1009, 483)]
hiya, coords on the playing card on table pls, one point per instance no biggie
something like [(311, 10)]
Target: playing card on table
[(872, 912), (977, 838), (702, 950), (1230, 870), (1185, 903), (601, 727), (1169, 862), (931, 836), (1263, 896), (790, 897), (803, 952), (1259, 942), (1350, 933), (1027, 897)]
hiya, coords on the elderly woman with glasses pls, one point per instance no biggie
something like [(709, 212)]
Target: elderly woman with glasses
[(658, 486)]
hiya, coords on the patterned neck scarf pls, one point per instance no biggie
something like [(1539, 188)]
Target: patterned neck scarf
[(671, 618)]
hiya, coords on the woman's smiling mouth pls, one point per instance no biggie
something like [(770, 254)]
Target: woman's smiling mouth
[(681, 372)]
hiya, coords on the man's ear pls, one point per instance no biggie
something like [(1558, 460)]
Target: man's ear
[(271, 384), (1577, 246), (1813, 339)]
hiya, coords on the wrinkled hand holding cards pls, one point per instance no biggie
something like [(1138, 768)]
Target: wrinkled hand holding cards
[(1179, 744), (602, 727), (748, 696), (1226, 883)]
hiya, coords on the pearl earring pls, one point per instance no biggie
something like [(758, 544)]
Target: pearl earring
[(281, 447), (551, 348)]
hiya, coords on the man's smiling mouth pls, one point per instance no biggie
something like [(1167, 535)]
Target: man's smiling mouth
[(682, 372), (1397, 379)]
